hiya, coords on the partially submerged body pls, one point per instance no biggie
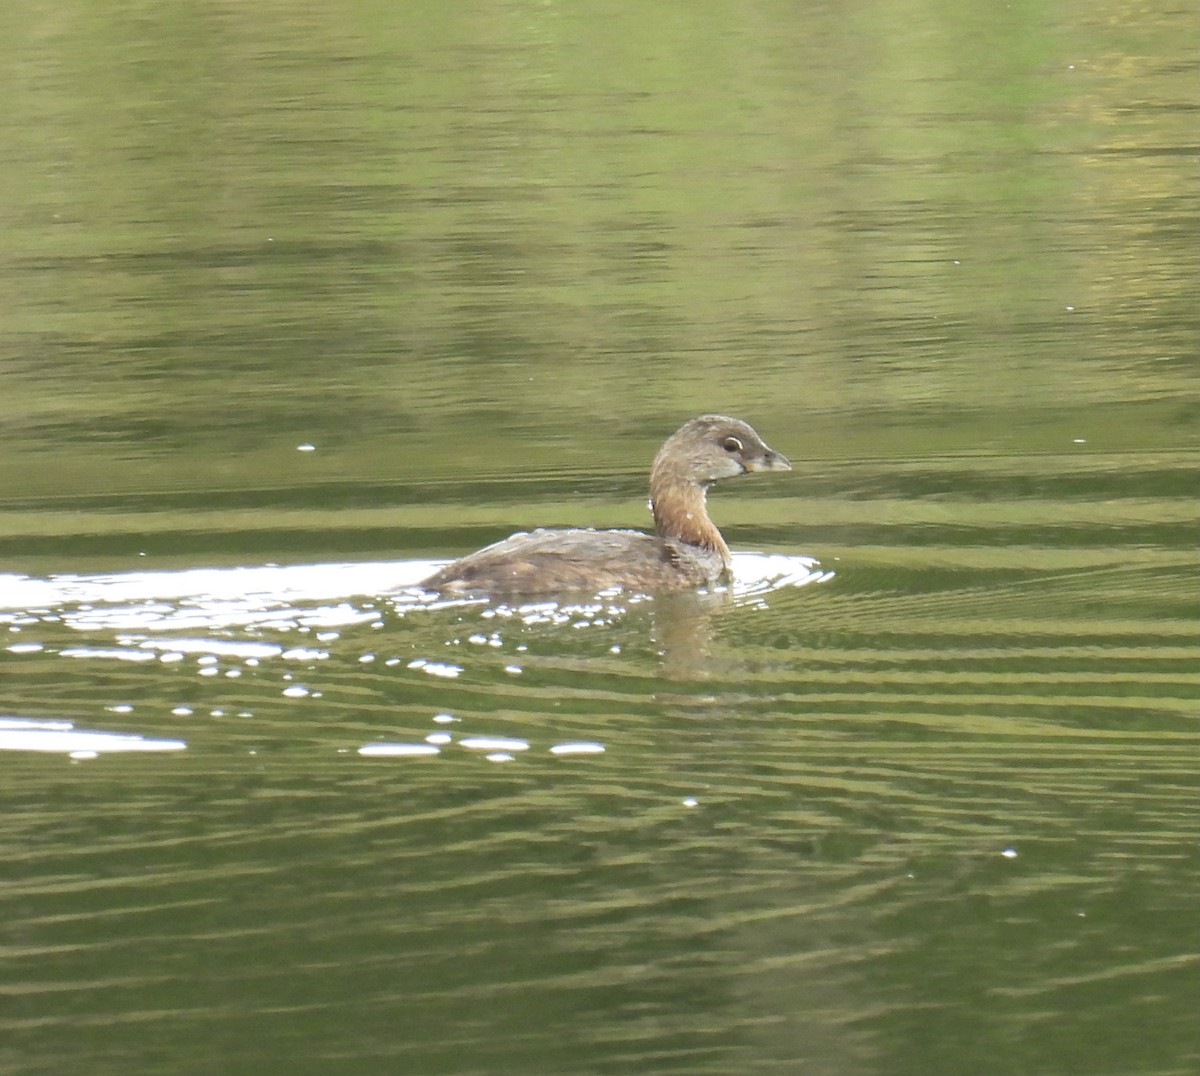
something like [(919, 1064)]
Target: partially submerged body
[(685, 552), (555, 561)]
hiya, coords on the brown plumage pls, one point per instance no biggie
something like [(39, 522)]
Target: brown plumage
[(686, 550)]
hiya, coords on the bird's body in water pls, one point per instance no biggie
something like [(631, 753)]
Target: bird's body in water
[(685, 551)]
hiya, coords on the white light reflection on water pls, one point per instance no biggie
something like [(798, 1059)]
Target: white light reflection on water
[(583, 747), (169, 616), (110, 653), (310, 596), (393, 750), (756, 575), (232, 648), (436, 668), (494, 743), (495, 748), (271, 596), (21, 734)]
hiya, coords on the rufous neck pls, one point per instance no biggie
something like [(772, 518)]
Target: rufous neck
[(681, 512)]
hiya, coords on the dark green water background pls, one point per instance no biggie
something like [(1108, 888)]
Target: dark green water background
[(935, 813)]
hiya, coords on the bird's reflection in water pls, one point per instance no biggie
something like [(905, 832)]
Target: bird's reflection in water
[(683, 625)]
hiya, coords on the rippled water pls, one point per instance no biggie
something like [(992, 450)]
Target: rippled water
[(302, 300)]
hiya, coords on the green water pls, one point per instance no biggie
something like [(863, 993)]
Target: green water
[(298, 298)]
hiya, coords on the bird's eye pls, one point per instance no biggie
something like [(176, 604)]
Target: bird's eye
[(731, 444)]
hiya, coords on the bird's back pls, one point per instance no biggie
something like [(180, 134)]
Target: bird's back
[(556, 561)]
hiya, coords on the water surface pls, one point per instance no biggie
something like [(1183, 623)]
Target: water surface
[(301, 300)]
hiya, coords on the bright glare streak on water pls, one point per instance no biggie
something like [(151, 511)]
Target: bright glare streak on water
[(583, 748), (494, 743), (19, 734), (309, 595), (281, 597), (393, 750)]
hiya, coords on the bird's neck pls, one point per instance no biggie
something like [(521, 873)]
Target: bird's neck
[(681, 512)]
